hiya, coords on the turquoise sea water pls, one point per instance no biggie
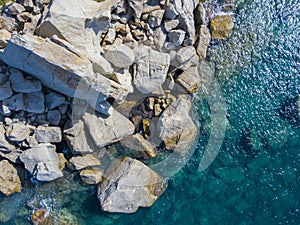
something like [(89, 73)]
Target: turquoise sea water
[(255, 178)]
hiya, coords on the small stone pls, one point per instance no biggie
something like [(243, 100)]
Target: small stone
[(17, 132), (170, 12), (170, 24), (221, 26), (120, 55), (91, 176), (20, 84), (24, 17), (53, 100), (48, 134), (176, 37), (4, 36), (139, 35), (13, 156), (15, 102), (203, 42), (53, 117), (155, 18), (9, 180), (81, 162), (14, 9), (34, 102), (5, 91)]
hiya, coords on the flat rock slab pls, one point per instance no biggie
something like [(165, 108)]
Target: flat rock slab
[(82, 162), (108, 130), (150, 70), (17, 132), (119, 55), (128, 185), (9, 180), (48, 134), (42, 162)]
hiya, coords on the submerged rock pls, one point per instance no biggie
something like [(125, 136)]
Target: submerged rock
[(9, 180), (128, 185), (221, 26)]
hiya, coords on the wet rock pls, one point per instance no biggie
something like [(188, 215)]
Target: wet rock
[(176, 37), (82, 162), (91, 176), (5, 146), (155, 18), (4, 36), (189, 80), (34, 102), (119, 55), (20, 84), (5, 91), (150, 70), (42, 162), (54, 100), (17, 132), (128, 185), (15, 102), (42, 217), (112, 129), (221, 26), (14, 9), (9, 180), (175, 126), (141, 147), (53, 117), (170, 24), (48, 134), (203, 42)]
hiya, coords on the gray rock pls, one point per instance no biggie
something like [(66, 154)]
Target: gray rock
[(15, 102), (199, 15), (170, 12), (189, 80), (203, 42), (9, 180), (150, 70), (102, 66), (175, 126), (4, 36), (141, 147), (119, 55), (48, 134), (17, 132), (34, 102), (14, 9), (20, 84), (9, 23), (155, 18), (42, 162), (108, 130), (185, 57), (30, 26), (3, 78), (5, 91), (170, 24), (79, 139), (91, 176), (129, 184), (124, 78), (52, 63), (159, 37), (54, 100), (28, 4), (24, 17), (137, 7), (82, 162), (11, 156), (176, 37), (53, 117), (5, 146)]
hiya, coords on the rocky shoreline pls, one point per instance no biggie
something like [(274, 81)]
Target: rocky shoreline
[(103, 78)]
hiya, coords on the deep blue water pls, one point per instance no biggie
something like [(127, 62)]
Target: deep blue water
[(255, 178)]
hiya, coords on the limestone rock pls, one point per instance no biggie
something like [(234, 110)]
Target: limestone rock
[(11, 156), (5, 91), (221, 26), (185, 58), (42, 162), (119, 55), (9, 180), (108, 130), (102, 66), (189, 80), (141, 147), (4, 144), (82, 162), (175, 126), (17, 132), (170, 24), (14, 9), (20, 84), (24, 17), (48, 134), (61, 161), (137, 7), (170, 12), (155, 18), (124, 78), (159, 37), (91, 176), (203, 42), (128, 185), (150, 70), (4, 36), (176, 36), (34, 102)]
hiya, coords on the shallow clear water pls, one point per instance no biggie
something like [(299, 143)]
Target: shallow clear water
[(255, 178)]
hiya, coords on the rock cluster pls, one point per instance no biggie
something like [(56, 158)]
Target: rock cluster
[(96, 75)]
